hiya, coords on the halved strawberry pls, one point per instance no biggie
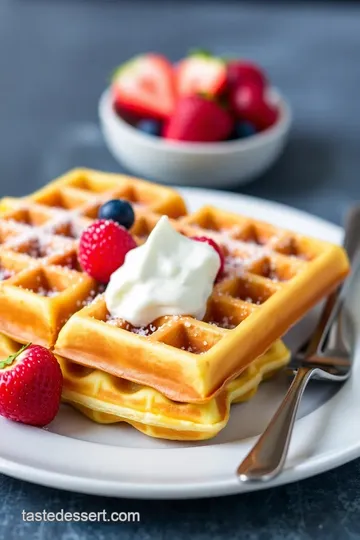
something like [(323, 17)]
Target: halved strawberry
[(145, 86), (201, 73)]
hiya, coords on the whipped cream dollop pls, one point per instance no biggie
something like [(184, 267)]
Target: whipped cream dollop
[(169, 274)]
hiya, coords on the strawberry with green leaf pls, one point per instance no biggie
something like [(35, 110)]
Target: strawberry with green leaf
[(145, 86), (30, 386), (201, 73)]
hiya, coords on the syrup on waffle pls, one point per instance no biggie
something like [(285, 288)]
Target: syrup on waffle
[(272, 278)]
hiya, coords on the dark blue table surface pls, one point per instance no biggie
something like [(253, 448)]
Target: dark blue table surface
[(55, 58)]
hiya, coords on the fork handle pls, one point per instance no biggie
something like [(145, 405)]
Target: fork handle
[(267, 457)]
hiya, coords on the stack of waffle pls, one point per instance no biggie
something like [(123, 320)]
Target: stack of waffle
[(177, 377)]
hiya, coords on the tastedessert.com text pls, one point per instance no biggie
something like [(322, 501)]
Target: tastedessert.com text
[(63, 515)]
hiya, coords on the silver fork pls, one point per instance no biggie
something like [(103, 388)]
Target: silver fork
[(327, 356)]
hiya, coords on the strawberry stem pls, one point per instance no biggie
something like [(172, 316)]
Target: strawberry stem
[(12, 357)]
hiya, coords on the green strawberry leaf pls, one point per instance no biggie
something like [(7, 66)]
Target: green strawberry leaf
[(118, 70), (200, 52), (206, 55), (10, 359)]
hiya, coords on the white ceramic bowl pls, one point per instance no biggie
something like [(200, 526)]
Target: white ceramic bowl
[(227, 163)]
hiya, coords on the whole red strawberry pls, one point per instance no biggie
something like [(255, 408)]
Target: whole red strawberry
[(198, 119), (242, 72), (102, 249), (30, 386), (217, 248), (249, 102)]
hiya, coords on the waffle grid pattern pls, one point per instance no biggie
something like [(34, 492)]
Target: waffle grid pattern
[(42, 282), (194, 358), (177, 377)]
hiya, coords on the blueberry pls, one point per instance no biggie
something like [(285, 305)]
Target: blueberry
[(151, 127), (244, 129), (118, 210)]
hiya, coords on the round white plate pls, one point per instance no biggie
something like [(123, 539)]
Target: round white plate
[(75, 454)]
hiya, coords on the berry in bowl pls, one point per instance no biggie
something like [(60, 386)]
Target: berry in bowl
[(204, 121)]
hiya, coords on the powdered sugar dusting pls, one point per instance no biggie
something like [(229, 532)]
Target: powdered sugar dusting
[(144, 331), (49, 293), (90, 299), (5, 273), (239, 254), (42, 241), (67, 227), (234, 266), (192, 350), (38, 244), (224, 322)]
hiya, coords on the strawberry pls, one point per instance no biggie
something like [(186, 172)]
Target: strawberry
[(102, 249), (249, 103), (201, 73), (30, 386), (242, 72), (129, 116), (198, 119), (217, 248), (145, 86)]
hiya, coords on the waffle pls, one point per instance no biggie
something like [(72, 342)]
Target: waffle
[(272, 278), (107, 399), (42, 283)]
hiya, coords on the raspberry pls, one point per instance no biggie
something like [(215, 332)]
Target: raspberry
[(102, 250), (217, 248)]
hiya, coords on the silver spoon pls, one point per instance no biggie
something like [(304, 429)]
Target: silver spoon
[(327, 357)]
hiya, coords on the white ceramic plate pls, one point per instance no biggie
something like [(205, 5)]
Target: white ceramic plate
[(76, 454)]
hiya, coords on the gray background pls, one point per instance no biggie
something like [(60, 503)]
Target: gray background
[(55, 58)]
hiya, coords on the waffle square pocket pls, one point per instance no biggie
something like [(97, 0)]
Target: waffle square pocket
[(85, 190), (37, 301)]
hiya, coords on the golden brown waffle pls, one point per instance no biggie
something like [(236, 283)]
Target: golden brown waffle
[(42, 283), (272, 278), (107, 399)]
